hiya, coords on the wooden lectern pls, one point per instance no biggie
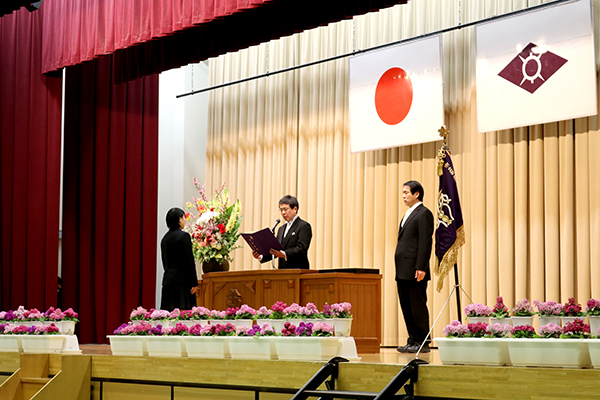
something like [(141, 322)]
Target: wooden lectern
[(220, 290)]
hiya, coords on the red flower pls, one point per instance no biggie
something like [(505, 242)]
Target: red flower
[(221, 228)]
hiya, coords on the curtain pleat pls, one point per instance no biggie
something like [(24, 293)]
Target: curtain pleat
[(30, 115), (110, 200), (531, 203)]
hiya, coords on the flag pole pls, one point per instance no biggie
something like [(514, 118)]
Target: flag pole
[(444, 131)]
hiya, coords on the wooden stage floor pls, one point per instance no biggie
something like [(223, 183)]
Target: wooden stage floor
[(120, 377)]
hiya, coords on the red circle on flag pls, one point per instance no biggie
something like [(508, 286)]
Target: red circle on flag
[(393, 96)]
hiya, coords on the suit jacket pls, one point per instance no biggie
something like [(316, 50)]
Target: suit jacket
[(295, 244), (178, 259), (415, 239)]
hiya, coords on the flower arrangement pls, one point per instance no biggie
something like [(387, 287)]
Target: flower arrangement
[(178, 330), (341, 310), (302, 329), (576, 330), (293, 311), (549, 308), (13, 329), (572, 309), (478, 310), (264, 313), (143, 329), (497, 330), (592, 307), (322, 329), (213, 330), (549, 331), (523, 309), (185, 315), (523, 332), (255, 330), (215, 227), (278, 310), (455, 329), (477, 330), (245, 312), (309, 311), (32, 315), (139, 314), (500, 311), (199, 313), (7, 316), (157, 315), (53, 314), (215, 314)]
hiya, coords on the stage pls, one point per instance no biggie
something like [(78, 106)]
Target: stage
[(115, 378)]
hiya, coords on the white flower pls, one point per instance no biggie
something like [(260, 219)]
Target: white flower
[(207, 216)]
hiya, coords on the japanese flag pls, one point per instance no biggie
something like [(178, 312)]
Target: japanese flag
[(536, 67), (396, 96)]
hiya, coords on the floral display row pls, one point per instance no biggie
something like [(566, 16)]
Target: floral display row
[(501, 344), (64, 320), (302, 342), (524, 308), (279, 310), (46, 338)]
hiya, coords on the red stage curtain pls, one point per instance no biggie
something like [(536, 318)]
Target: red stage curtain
[(156, 35), (30, 115), (110, 197)]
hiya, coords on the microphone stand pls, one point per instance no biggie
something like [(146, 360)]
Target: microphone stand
[(277, 221)]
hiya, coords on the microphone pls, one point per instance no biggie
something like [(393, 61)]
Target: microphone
[(277, 221)]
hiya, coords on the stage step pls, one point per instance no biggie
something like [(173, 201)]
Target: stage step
[(340, 394)]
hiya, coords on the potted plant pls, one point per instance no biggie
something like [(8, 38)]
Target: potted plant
[(139, 314), (64, 320), (129, 339), (302, 342), (245, 315), (549, 312), (39, 338), (500, 314), (253, 342), (478, 312), (209, 341), (342, 318), (523, 313), (167, 341), (474, 343), (571, 311), (264, 316), (592, 309), (214, 228)]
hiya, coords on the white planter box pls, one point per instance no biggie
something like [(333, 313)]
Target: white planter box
[(594, 325), (519, 321), (128, 345), (342, 326), (10, 344), (503, 321), (572, 353), (240, 322), (66, 327), (549, 320), (594, 349), (306, 348), (42, 343), (474, 320), (473, 351), (566, 320), (166, 346), (207, 346), (257, 348)]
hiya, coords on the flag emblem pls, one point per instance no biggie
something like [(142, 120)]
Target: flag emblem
[(393, 96), (532, 67)]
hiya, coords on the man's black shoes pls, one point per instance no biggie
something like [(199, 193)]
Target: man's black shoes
[(415, 348)]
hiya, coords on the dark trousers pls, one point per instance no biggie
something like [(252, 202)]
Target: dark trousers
[(413, 302)]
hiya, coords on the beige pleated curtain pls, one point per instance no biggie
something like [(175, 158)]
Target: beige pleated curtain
[(530, 196)]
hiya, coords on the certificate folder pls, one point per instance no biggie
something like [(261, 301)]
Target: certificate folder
[(262, 241)]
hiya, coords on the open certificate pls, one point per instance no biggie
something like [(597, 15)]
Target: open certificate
[(262, 241)]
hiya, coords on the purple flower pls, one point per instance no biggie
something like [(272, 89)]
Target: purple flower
[(497, 330), (550, 331), (549, 309)]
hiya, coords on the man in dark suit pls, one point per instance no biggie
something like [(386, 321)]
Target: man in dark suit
[(412, 266), (295, 236)]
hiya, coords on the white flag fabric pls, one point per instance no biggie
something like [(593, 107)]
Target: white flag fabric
[(536, 67), (396, 96)]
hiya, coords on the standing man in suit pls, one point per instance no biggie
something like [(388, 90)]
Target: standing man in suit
[(295, 236), (412, 266)]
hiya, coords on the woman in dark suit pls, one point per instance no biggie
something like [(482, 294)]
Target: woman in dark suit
[(180, 281)]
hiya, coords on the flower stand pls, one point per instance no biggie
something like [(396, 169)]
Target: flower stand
[(594, 325), (256, 348), (474, 320), (166, 346), (207, 346), (128, 345), (473, 351), (306, 348), (549, 320), (572, 353), (342, 326), (10, 344), (42, 343)]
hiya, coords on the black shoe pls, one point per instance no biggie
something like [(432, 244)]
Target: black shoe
[(415, 348), (403, 349)]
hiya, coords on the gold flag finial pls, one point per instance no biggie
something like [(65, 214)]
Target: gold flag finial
[(443, 131)]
